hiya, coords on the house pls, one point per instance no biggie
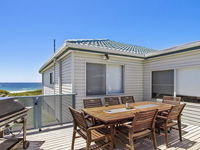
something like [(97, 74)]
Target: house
[(98, 68)]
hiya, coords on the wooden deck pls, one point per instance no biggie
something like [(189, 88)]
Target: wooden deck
[(59, 138)]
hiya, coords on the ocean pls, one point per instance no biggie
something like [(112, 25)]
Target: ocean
[(20, 87)]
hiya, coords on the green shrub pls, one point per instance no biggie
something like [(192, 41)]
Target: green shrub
[(28, 93), (4, 93)]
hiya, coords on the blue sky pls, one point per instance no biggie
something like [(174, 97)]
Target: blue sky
[(28, 27)]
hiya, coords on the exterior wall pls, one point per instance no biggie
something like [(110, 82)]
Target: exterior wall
[(133, 75), (66, 74), (70, 72), (176, 61), (62, 85), (62, 74), (48, 88)]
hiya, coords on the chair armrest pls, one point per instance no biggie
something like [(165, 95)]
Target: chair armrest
[(161, 117), (127, 126), (164, 113), (97, 127), (87, 116)]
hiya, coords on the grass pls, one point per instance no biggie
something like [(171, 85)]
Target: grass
[(4, 93)]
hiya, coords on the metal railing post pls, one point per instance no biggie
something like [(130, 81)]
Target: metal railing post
[(37, 113), (35, 103)]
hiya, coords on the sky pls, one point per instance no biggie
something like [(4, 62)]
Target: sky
[(28, 27)]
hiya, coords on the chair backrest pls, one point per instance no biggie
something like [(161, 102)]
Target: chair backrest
[(171, 100), (89, 103), (129, 99), (79, 119), (144, 120), (175, 112), (111, 101)]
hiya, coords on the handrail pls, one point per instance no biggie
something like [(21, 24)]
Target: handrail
[(6, 98), (47, 109)]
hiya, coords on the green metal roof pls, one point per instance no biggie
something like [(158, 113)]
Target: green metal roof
[(108, 44)]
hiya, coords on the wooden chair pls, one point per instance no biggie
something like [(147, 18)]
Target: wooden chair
[(111, 101), (98, 133), (90, 103), (143, 125), (129, 99), (171, 100), (171, 119)]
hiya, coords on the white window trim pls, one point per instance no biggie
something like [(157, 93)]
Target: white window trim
[(106, 64), (175, 76)]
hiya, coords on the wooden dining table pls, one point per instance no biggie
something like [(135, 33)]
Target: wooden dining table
[(112, 115)]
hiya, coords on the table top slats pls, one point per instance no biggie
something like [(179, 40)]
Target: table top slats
[(99, 113)]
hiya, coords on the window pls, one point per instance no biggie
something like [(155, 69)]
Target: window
[(114, 78), (96, 79), (188, 84), (51, 78), (162, 83), (103, 79), (188, 81)]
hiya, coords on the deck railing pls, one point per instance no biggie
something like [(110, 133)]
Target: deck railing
[(46, 110)]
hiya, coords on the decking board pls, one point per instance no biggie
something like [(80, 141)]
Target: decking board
[(59, 138)]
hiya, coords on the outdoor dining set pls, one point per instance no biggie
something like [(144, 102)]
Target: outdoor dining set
[(122, 120)]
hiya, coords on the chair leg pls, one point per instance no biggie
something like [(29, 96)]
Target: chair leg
[(73, 140), (88, 145), (179, 128), (131, 142), (154, 140), (111, 146), (166, 137)]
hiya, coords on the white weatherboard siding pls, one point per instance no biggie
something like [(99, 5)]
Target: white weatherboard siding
[(48, 88), (66, 79), (176, 61), (133, 75), (56, 77), (52, 102), (62, 74), (66, 76)]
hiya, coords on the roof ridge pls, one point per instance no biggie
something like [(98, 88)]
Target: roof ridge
[(82, 40)]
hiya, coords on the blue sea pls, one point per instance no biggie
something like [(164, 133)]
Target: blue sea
[(19, 87)]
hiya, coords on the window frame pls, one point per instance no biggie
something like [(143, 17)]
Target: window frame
[(174, 83), (106, 64)]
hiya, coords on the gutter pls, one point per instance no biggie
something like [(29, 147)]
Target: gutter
[(70, 47), (173, 52), (74, 47)]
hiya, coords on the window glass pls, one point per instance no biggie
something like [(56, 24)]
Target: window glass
[(51, 78), (114, 77), (162, 83), (102, 79), (96, 79)]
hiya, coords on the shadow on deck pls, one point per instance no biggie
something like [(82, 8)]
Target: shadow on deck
[(59, 137)]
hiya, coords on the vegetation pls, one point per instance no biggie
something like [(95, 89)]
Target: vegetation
[(4, 93)]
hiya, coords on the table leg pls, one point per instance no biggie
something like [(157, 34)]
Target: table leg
[(25, 143), (113, 135), (1, 134)]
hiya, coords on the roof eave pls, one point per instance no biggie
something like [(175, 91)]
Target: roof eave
[(69, 46), (171, 51)]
